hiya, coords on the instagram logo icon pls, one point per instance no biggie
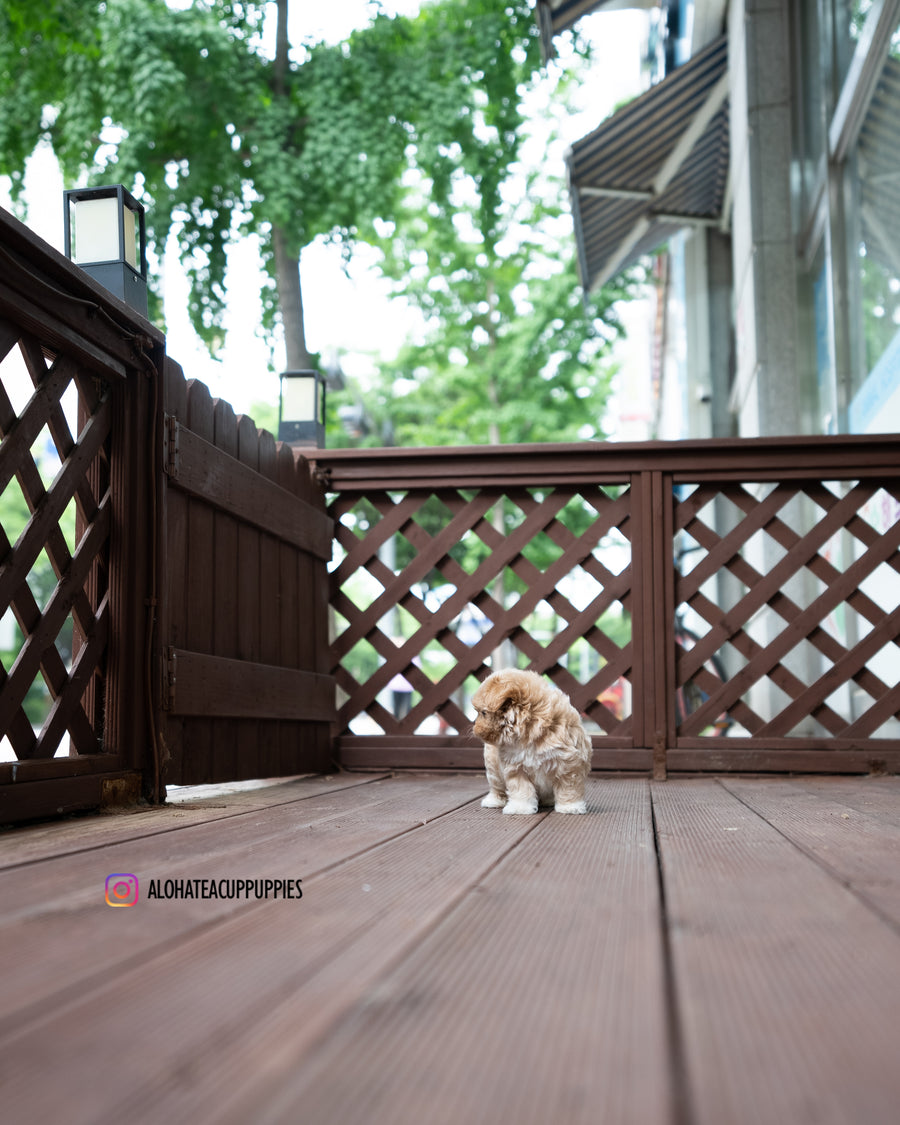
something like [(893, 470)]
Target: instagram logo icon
[(121, 890)]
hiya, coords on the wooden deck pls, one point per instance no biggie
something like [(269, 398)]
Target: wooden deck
[(692, 951)]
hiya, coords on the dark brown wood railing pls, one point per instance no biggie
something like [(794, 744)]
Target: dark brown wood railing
[(706, 605)]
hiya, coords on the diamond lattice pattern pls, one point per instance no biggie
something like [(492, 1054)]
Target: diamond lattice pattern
[(54, 533), (790, 594), (435, 589)]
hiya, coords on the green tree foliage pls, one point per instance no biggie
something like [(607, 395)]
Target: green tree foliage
[(542, 373), (511, 350), (222, 140)]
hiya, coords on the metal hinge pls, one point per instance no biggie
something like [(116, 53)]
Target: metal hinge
[(170, 661), (171, 435)]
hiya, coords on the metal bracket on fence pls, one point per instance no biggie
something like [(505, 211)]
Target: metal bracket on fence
[(168, 678), (171, 434), (322, 476)]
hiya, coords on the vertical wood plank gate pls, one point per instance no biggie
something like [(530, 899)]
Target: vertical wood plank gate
[(245, 689)]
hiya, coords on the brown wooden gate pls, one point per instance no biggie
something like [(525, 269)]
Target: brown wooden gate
[(246, 691), (706, 605)]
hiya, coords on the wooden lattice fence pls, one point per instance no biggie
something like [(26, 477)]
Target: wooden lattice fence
[(75, 617), (705, 605), (76, 376)]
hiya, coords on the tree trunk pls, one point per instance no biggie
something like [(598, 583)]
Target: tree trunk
[(287, 265), (282, 48), (290, 302)]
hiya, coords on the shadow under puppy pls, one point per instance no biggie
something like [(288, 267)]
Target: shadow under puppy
[(535, 749)]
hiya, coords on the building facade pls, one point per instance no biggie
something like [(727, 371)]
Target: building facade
[(766, 160)]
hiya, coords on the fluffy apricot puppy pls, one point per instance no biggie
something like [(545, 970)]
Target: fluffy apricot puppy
[(535, 749)]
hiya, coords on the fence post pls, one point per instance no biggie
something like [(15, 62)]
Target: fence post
[(664, 559), (133, 485), (653, 664)]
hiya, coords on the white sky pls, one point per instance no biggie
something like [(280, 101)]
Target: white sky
[(350, 316)]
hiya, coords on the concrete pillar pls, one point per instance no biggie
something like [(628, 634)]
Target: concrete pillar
[(721, 337), (766, 395)]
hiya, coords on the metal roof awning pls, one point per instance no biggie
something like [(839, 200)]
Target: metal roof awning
[(554, 16), (656, 166)]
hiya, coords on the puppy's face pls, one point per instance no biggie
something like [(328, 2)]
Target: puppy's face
[(495, 706), (489, 725)]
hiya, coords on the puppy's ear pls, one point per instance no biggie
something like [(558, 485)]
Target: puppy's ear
[(515, 703)]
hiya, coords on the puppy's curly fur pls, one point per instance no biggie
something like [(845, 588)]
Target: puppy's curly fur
[(535, 748)]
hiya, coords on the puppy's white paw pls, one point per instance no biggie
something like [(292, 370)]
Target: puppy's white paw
[(521, 808), (572, 807), (492, 801)]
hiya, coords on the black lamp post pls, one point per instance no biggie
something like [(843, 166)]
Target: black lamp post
[(105, 235), (301, 409)]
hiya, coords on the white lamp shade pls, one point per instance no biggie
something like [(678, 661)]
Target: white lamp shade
[(97, 232), (298, 398)]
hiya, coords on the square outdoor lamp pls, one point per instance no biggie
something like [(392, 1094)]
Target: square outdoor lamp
[(301, 411), (105, 235)]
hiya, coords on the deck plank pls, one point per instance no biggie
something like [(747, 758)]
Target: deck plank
[(193, 805), (875, 796), (539, 999), (788, 986), (195, 1007), (402, 987), (288, 840), (860, 847)]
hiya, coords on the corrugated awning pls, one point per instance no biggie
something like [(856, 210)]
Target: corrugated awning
[(554, 16), (656, 166)]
